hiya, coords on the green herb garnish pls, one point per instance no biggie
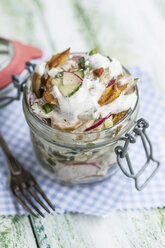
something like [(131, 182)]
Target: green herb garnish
[(60, 74), (59, 155), (81, 62), (51, 162), (136, 79), (109, 58), (42, 88), (71, 158), (93, 51), (47, 108)]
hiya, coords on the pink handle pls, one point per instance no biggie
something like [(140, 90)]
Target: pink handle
[(22, 54)]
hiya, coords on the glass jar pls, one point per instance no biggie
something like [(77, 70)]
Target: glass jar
[(77, 158)]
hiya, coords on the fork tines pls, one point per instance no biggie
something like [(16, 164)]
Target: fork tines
[(26, 194)]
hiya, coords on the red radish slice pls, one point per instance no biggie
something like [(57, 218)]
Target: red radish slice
[(32, 97), (111, 82), (131, 90), (45, 121), (86, 164), (71, 78), (75, 58), (78, 171), (98, 123)]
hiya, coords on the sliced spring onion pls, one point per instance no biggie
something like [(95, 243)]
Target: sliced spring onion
[(47, 108), (60, 74), (109, 58), (50, 161), (84, 65), (93, 51), (136, 79)]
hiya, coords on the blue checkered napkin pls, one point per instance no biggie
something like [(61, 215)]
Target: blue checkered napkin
[(115, 193)]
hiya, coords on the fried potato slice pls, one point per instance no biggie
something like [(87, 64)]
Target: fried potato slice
[(111, 93), (47, 94), (58, 59), (66, 126), (36, 83), (126, 79), (84, 126), (117, 117), (99, 72)]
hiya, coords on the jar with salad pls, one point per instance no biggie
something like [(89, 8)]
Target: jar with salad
[(78, 106)]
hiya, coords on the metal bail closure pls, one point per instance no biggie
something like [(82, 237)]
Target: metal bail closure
[(139, 130), (18, 83)]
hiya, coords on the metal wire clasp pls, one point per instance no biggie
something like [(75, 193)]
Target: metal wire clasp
[(18, 82), (139, 130)]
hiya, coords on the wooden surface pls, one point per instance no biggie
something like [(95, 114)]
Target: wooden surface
[(15, 231), (122, 229), (132, 31)]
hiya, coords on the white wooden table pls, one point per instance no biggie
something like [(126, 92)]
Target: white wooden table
[(132, 31), (139, 229)]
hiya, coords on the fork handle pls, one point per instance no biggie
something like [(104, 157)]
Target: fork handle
[(14, 166)]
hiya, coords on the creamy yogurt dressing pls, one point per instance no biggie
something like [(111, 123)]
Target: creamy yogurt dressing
[(53, 72), (97, 61), (40, 68), (85, 99), (122, 103), (115, 68)]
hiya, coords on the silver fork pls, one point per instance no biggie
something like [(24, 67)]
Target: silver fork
[(23, 185)]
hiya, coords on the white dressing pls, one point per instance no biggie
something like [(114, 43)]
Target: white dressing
[(53, 72), (40, 68), (122, 103), (82, 101), (97, 61), (115, 68)]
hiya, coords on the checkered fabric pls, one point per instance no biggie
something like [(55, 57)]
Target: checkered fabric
[(118, 192)]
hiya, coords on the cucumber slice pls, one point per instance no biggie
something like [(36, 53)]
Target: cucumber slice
[(108, 122), (69, 89), (57, 82), (79, 73), (71, 78), (75, 90)]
